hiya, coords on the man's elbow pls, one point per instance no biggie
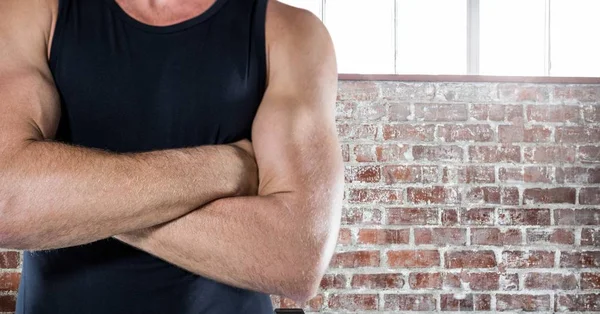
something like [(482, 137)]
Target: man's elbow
[(303, 285)]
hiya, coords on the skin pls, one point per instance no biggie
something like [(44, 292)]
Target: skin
[(281, 236)]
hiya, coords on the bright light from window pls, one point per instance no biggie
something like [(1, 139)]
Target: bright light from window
[(512, 37), (575, 49), (363, 34), (313, 6), (432, 36)]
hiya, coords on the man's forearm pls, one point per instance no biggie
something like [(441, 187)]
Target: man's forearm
[(56, 195), (255, 243)]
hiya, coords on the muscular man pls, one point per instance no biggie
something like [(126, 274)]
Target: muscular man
[(166, 156)]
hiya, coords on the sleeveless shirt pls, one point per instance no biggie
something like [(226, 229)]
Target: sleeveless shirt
[(126, 86)]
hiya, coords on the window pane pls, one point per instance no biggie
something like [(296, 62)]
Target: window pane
[(313, 6), (575, 49), (512, 37), (432, 41), (363, 34)]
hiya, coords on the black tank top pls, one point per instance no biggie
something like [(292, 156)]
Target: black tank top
[(126, 86)]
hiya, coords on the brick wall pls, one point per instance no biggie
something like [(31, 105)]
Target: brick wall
[(467, 197), (459, 197)]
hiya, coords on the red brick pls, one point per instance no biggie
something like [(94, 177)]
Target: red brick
[(384, 196), (425, 281), (518, 133), (413, 258), (538, 174), (509, 196), (401, 91), (477, 216), (482, 302), (549, 154), (345, 152), (377, 281), (466, 133), (383, 236), (314, 304), (358, 90), (525, 302), (409, 302), (495, 236), (441, 112), (9, 281), (333, 281), (433, 195), (9, 259), (511, 174), (449, 217), (8, 303), (345, 236), (509, 282), (451, 302), (495, 154), (496, 112), (591, 113), (441, 153), (410, 174), (549, 281), (469, 174), (406, 132), (577, 134), (344, 110), (550, 236), (522, 93), (590, 237), (578, 175), (357, 131), (585, 259), (549, 196), (381, 153), (524, 216), (440, 236), (578, 302), (528, 259), (589, 196), (353, 302), (399, 111), (364, 174), (577, 93), (481, 281), (355, 259), (483, 195), (361, 216), (470, 259), (370, 111), (590, 281), (413, 216), (553, 113), (589, 154), (588, 217)]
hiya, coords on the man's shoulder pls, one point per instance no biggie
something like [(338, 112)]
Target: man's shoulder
[(27, 21)]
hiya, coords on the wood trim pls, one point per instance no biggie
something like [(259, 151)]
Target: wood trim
[(470, 78)]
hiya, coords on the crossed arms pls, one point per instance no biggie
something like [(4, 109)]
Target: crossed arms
[(196, 207)]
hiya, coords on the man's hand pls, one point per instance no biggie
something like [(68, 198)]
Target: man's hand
[(248, 177)]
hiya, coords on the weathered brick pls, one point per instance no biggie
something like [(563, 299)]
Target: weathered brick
[(314, 304), (587, 216), (440, 236), (365, 174), (537, 174), (9, 281), (412, 216), (353, 302), (344, 110), (385, 196), (495, 236), (345, 152), (8, 303), (361, 216), (383, 236), (477, 216), (509, 282), (482, 302), (590, 281), (524, 216), (433, 195), (357, 131), (355, 259), (577, 93), (449, 217), (509, 196), (511, 174), (413, 258), (553, 113), (333, 281), (425, 281), (550, 236), (409, 132), (469, 174), (400, 91), (470, 259), (357, 90), (495, 154), (528, 259), (589, 196), (510, 92), (370, 111), (578, 175), (345, 236), (589, 154), (549, 196), (524, 302), (9, 259), (381, 153), (377, 281), (399, 111), (441, 112), (549, 154), (483, 195), (466, 133), (591, 113), (590, 237), (549, 281), (496, 112), (409, 302), (439, 153), (578, 302), (577, 134), (481, 281), (516, 134), (462, 303), (584, 259), (410, 174)]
